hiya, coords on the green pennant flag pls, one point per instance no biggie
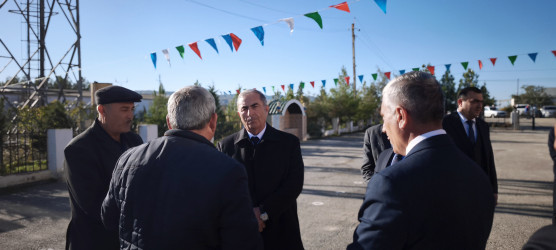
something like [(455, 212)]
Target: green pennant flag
[(315, 16), (336, 81), (181, 50), (512, 59), (302, 85), (415, 69), (464, 64), (374, 76)]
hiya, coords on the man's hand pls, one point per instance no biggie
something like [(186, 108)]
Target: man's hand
[(257, 212)]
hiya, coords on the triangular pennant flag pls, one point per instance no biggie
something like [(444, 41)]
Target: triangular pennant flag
[(153, 58), (480, 64), (447, 66), (431, 69), (554, 52), (259, 33), (347, 80), (374, 76), (341, 6), (512, 59), (235, 40), (360, 78), (291, 86), (273, 89), (290, 23), (283, 88), (194, 47), (493, 60), (387, 74), (167, 55), (302, 85), (181, 50), (237, 90), (533, 56), (402, 71), (213, 44), (381, 4), (229, 41), (264, 89), (323, 83), (335, 81), (315, 16), (312, 83), (464, 64), (415, 69)]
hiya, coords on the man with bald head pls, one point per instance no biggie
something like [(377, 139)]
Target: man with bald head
[(434, 197)]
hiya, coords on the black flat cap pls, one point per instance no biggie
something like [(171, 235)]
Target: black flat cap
[(114, 94)]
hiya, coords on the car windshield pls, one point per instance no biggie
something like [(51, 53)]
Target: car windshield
[(493, 108), (550, 108)]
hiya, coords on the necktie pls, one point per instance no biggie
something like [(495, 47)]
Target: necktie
[(396, 159), (255, 140), (471, 133)]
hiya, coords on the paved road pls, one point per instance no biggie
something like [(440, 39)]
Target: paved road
[(36, 217)]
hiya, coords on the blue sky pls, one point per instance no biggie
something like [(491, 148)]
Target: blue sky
[(118, 36)]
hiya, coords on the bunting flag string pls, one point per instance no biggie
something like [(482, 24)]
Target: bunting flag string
[(194, 47), (166, 55)]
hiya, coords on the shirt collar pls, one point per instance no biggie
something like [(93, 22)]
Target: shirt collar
[(259, 135), (422, 137)]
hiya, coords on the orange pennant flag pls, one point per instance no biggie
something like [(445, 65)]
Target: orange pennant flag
[(387, 74), (480, 64), (431, 69), (347, 80), (341, 6), (236, 40), (493, 60), (237, 90), (194, 47), (313, 84), (283, 88)]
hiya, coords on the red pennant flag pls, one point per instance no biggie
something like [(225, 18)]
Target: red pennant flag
[(347, 80), (554, 52), (342, 6), (480, 64), (194, 47), (387, 74), (237, 90), (283, 88), (236, 41), (431, 69), (493, 60), (313, 84)]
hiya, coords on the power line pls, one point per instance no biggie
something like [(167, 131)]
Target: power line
[(227, 12)]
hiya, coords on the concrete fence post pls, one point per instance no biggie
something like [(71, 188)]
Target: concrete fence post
[(148, 132), (336, 125), (57, 139)]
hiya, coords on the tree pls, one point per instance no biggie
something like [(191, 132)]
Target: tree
[(223, 126), (158, 110), (471, 79), (317, 114), (343, 104), (299, 95), (534, 95), (449, 88)]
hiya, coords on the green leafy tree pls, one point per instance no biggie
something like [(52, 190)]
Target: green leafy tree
[(471, 79), (223, 126), (158, 110), (534, 95), (300, 96), (318, 116), (343, 104), (449, 88)]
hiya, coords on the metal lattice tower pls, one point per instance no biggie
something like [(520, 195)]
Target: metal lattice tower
[(39, 65)]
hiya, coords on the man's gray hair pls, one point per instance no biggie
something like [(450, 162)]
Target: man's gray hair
[(250, 91), (190, 108), (419, 93)]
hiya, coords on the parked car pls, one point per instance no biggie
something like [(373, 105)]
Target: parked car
[(548, 111), (523, 109), (494, 112)]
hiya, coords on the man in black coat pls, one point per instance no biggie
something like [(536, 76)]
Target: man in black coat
[(433, 198), (274, 166), (474, 143), (90, 160), (178, 191), (552, 151), (375, 141)]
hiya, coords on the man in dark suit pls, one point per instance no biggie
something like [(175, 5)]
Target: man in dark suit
[(90, 160), (435, 197), (375, 141), (178, 191), (274, 166), (552, 151), (474, 142)]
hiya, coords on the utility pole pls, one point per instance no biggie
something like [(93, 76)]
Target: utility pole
[(353, 51)]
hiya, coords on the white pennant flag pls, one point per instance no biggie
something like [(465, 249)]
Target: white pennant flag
[(289, 21), (167, 55)]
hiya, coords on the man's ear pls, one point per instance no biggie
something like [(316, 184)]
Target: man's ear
[(459, 102), (101, 109), (212, 122), (401, 117), (168, 122)]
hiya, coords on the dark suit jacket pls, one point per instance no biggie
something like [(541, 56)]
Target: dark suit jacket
[(453, 126), (374, 143), (552, 152), (179, 192), (435, 198), (384, 159), (90, 160), (275, 172)]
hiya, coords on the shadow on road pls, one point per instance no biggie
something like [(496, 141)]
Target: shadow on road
[(525, 188)]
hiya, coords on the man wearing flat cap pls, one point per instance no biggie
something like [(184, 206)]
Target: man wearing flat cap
[(90, 159)]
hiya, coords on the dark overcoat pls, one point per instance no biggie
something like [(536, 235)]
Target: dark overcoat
[(275, 171), (482, 152), (90, 160), (179, 192), (374, 142)]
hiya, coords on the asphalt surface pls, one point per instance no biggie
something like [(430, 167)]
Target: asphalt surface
[(36, 217)]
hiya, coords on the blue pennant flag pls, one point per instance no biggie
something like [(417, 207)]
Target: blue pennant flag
[(228, 39), (213, 44), (291, 86), (153, 58), (264, 89), (402, 71), (447, 66), (259, 32), (381, 4), (361, 78), (533, 56), (323, 83)]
